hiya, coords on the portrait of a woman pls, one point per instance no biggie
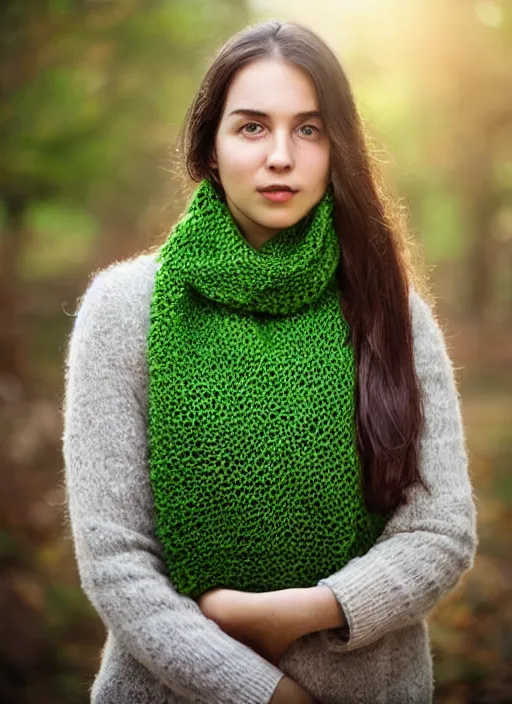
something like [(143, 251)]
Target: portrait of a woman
[(266, 468)]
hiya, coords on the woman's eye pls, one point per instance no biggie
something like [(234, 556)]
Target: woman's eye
[(254, 127), (310, 127), (250, 124)]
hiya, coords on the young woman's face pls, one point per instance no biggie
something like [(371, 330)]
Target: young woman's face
[(271, 132)]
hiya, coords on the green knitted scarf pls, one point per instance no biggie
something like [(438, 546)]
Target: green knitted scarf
[(251, 431)]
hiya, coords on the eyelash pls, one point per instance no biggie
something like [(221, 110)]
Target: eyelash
[(248, 124)]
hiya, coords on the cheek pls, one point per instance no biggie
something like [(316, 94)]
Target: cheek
[(236, 157), (317, 160)]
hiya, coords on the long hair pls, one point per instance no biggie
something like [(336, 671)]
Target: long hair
[(375, 271)]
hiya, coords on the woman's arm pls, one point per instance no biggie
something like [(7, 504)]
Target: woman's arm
[(110, 505), (270, 622), (429, 543)]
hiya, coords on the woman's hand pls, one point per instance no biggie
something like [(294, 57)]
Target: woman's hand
[(263, 621), (269, 622), (245, 616)]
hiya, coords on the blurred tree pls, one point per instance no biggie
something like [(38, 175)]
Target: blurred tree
[(435, 83), (483, 110), (465, 77), (90, 94)]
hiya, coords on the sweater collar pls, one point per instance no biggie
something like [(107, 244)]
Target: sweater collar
[(207, 252)]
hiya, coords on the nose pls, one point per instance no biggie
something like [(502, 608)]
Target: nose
[(280, 156)]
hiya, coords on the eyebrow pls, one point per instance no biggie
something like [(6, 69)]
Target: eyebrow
[(258, 113)]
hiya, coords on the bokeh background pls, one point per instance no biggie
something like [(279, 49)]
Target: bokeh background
[(92, 95)]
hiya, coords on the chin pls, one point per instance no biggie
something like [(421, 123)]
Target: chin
[(280, 222)]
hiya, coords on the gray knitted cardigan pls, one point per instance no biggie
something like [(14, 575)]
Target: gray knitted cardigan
[(160, 648)]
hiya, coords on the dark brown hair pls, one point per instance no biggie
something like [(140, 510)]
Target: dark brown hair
[(375, 271)]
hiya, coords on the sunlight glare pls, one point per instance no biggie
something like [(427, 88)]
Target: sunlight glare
[(488, 12)]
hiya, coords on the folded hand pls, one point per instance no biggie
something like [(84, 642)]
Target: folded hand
[(268, 622)]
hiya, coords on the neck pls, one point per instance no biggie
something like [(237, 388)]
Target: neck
[(255, 234)]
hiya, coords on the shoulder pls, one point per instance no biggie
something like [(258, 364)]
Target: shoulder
[(123, 286), (118, 297), (429, 342), (108, 339), (423, 318), (434, 367)]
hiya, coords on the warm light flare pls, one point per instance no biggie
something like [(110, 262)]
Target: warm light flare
[(489, 13)]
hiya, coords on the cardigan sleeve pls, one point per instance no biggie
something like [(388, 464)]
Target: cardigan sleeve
[(427, 544), (110, 508)]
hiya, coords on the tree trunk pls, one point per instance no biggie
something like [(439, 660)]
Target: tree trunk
[(481, 258), (13, 361)]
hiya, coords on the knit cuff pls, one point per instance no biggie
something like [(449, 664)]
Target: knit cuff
[(264, 678), (365, 608)]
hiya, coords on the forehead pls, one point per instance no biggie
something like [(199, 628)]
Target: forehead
[(272, 86)]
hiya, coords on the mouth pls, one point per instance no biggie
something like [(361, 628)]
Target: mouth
[(278, 193), (277, 187)]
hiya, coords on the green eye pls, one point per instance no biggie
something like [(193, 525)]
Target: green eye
[(310, 127), (250, 124)]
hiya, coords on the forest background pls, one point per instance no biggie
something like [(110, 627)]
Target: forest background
[(92, 95)]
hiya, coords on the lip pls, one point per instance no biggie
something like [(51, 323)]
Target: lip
[(278, 196)]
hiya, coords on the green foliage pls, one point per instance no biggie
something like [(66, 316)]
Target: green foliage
[(93, 115), (442, 230), (396, 118), (62, 236)]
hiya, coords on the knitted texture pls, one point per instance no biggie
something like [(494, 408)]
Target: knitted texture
[(253, 458), (160, 647)]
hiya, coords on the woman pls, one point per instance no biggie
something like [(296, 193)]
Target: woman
[(266, 467)]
